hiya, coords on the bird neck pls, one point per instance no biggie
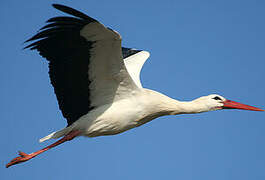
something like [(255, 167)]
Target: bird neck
[(175, 107), (165, 105)]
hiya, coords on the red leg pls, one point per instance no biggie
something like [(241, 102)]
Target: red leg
[(25, 157)]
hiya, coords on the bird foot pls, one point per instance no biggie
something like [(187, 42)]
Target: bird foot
[(22, 158)]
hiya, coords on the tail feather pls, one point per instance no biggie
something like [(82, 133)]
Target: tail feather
[(47, 137), (56, 134)]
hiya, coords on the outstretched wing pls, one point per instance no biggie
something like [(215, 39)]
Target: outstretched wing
[(134, 61), (86, 66)]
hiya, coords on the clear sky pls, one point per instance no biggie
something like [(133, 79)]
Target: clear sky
[(197, 48)]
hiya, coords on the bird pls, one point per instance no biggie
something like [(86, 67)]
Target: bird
[(97, 81)]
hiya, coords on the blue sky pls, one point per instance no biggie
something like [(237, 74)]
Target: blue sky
[(197, 48)]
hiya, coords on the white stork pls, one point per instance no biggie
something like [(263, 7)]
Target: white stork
[(97, 82)]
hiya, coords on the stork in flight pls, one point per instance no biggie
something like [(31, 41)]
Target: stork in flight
[(97, 82)]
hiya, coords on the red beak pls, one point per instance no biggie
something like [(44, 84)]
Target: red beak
[(228, 104)]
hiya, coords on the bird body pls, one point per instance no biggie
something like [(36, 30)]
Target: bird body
[(97, 81), (119, 116)]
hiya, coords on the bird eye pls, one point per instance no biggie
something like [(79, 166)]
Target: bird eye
[(217, 98)]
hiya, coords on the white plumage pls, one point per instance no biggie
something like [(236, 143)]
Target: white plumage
[(134, 65), (97, 82)]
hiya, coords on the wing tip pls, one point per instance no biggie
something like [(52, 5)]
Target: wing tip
[(146, 53), (72, 11)]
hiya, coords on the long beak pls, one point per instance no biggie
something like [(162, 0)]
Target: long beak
[(228, 104)]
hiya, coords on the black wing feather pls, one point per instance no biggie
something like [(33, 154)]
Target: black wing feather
[(66, 19), (68, 55), (71, 11), (126, 52), (58, 24)]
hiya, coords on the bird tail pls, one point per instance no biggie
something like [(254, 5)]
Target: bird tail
[(57, 134)]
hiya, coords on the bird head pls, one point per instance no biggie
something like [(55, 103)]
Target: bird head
[(217, 102)]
